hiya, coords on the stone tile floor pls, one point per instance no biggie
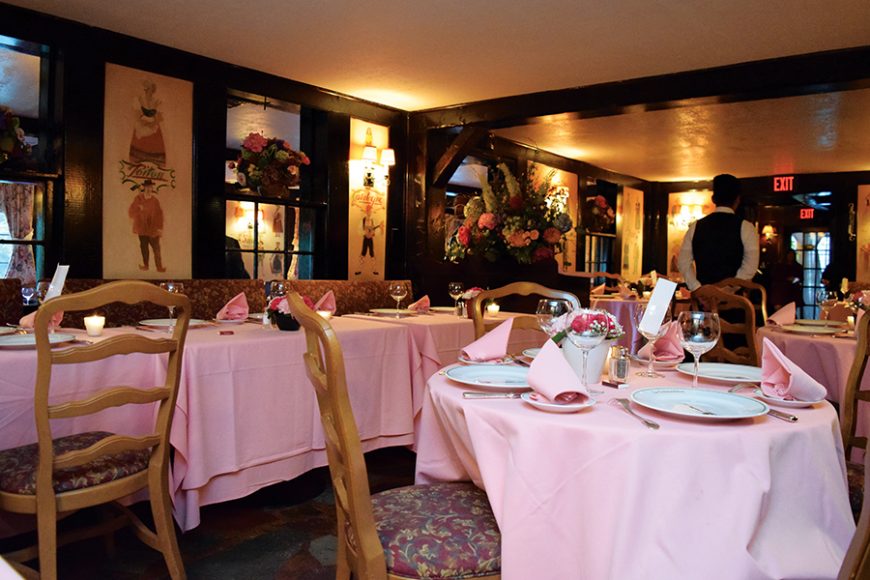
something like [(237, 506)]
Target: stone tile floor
[(286, 531)]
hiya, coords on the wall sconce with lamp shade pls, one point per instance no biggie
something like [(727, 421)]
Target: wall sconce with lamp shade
[(370, 157), (769, 232)]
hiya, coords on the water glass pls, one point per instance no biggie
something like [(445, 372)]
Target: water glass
[(588, 329), (398, 291), (651, 338), (456, 289), (551, 315), (827, 300), (172, 288), (699, 332)]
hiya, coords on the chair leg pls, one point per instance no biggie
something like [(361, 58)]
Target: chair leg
[(46, 529), (342, 564), (165, 529)]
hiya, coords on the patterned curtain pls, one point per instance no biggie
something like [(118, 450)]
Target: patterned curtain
[(16, 199)]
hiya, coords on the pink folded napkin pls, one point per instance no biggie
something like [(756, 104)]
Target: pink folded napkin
[(491, 345), (783, 316), (27, 321), (780, 377), (667, 347), (421, 305), (326, 302), (598, 290), (552, 377), (235, 309)]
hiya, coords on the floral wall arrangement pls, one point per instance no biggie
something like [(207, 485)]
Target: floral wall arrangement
[(269, 164), (511, 218), (12, 143)]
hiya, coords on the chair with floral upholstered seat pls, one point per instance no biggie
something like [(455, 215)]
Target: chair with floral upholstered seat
[(439, 531), (58, 475)]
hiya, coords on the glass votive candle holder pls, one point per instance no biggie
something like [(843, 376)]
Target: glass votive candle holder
[(647, 294), (326, 314), (492, 308), (850, 320), (94, 324)]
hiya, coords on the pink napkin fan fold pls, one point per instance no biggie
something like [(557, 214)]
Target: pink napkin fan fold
[(235, 309), (668, 347), (781, 377), (491, 345), (421, 305), (598, 290), (783, 316), (326, 302), (552, 377)]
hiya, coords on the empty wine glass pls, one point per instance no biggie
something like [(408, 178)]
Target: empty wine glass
[(588, 329), (699, 332), (651, 337), (827, 300), (27, 293), (398, 291), (455, 289), (551, 315), (172, 288)]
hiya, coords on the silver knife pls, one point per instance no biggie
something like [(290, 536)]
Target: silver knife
[(475, 395), (781, 415)]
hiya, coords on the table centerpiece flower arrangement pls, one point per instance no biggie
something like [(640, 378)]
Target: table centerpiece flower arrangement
[(279, 314), (12, 143), (511, 217), (858, 300), (614, 328), (268, 164)]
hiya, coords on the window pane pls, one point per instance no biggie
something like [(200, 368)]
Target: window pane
[(19, 90), (302, 221), (301, 267), (271, 227), (240, 225)]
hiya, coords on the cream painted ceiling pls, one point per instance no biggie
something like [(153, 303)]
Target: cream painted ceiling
[(423, 54)]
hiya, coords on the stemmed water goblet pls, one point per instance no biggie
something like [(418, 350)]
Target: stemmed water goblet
[(398, 291), (172, 288), (551, 315), (651, 337), (588, 329), (827, 300), (27, 293), (455, 289), (699, 332)]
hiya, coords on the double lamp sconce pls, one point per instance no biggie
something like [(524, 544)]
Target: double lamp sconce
[(370, 157)]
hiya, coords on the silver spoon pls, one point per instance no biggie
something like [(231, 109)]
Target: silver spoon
[(627, 407)]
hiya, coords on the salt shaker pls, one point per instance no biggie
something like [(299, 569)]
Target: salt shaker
[(619, 364)]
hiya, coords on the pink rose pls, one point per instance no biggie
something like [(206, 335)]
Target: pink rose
[(464, 236), (585, 321), (487, 221), (254, 142), (280, 304), (534, 234), (552, 236), (542, 253)]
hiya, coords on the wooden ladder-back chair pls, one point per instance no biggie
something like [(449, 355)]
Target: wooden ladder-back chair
[(736, 319), (856, 564), (520, 289), (444, 530), (853, 395), (56, 476), (754, 292)]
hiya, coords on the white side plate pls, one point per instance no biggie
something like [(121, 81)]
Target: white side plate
[(494, 377), (725, 372), (699, 403), (791, 404), (29, 340), (539, 402), (659, 364), (531, 352)]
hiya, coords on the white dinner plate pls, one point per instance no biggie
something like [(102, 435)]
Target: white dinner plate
[(495, 377), (659, 364), (393, 311), (167, 322), (539, 402), (699, 403), (230, 322), (443, 309), (811, 322), (7, 330), (11, 341), (531, 352), (725, 372), (507, 359), (801, 329), (780, 402)]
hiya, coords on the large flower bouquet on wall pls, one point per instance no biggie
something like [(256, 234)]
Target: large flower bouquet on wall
[(12, 143), (268, 163), (513, 218)]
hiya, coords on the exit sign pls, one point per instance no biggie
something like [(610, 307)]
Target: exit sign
[(807, 213), (785, 183)]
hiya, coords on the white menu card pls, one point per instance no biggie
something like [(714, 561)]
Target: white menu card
[(57, 282), (658, 306)]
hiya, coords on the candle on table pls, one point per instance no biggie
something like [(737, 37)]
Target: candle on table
[(492, 308), (327, 314), (94, 324), (850, 320)]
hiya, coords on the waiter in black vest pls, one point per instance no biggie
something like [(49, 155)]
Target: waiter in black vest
[(721, 245)]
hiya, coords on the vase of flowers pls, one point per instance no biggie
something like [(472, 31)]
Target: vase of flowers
[(279, 314), (597, 356), (269, 166), (12, 143), (513, 218)]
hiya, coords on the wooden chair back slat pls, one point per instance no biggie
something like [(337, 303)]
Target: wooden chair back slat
[(123, 344), (853, 394), (112, 398), (108, 446), (515, 288), (710, 298), (856, 563), (752, 291)]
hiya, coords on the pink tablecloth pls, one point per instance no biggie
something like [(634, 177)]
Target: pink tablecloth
[(246, 414), (598, 495)]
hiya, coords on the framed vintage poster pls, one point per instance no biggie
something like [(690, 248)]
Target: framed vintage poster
[(862, 270), (367, 203), (630, 213), (147, 175)]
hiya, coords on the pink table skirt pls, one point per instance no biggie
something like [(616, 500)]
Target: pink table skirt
[(598, 495)]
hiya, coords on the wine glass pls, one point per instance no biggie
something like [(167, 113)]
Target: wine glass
[(651, 338), (588, 329), (455, 289), (27, 293), (826, 300), (398, 291), (699, 332), (550, 315), (172, 288)]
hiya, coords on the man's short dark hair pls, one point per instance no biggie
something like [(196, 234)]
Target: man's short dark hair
[(726, 189)]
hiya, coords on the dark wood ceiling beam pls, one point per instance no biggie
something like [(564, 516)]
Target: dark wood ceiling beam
[(461, 145), (781, 77)]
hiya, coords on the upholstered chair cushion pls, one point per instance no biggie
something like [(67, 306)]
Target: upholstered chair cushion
[(443, 530), (18, 465), (855, 476)]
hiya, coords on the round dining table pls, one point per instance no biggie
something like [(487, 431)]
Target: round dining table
[(597, 494)]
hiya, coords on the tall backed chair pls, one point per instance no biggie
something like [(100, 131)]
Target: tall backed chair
[(55, 476), (443, 530), (736, 343), (856, 564), (754, 292), (516, 288), (853, 396)]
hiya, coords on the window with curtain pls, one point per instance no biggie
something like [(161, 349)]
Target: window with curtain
[(21, 230)]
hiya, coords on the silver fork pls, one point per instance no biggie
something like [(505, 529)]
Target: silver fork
[(627, 407)]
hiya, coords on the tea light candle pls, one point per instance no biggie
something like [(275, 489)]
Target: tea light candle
[(850, 320), (94, 324), (327, 314), (492, 308), (647, 294)]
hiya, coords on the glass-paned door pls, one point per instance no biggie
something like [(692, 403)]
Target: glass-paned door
[(813, 252)]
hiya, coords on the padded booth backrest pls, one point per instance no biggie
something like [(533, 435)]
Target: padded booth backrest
[(352, 295), (10, 300)]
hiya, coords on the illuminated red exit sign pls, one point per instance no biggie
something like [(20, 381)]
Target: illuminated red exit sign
[(785, 183), (807, 213)]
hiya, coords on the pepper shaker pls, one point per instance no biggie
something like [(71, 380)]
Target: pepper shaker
[(619, 364)]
